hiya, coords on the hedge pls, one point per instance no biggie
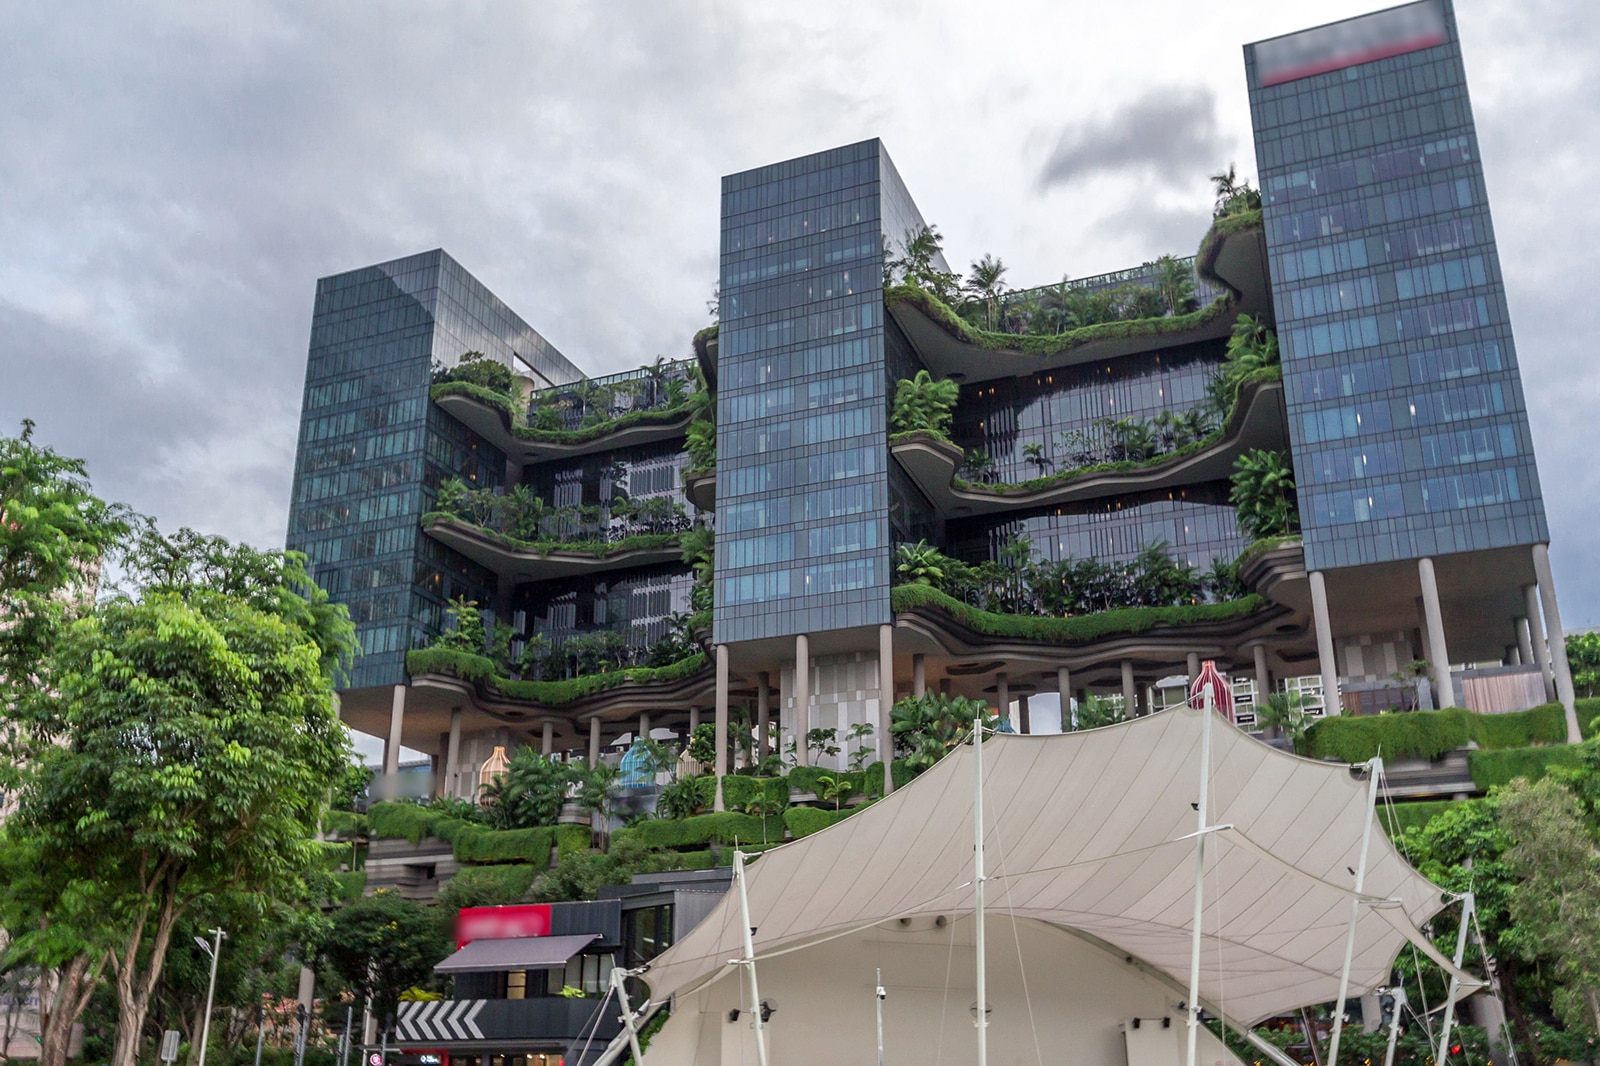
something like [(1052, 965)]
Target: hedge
[(472, 842), (723, 827), (479, 668), (599, 549), (515, 416), (1082, 629), (1490, 768), (693, 860), (739, 790), (572, 839), (509, 883), (1415, 815), (473, 391), (1429, 734), (343, 825), (349, 885), (803, 821), (401, 821)]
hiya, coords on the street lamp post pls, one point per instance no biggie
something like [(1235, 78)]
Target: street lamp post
[(212, 949)]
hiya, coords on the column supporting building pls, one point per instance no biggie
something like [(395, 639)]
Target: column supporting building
[(919, 675), (1325, 660), (1192, 663), (452, 754), (886, 704), (1002, 696), (802, 700), (547, 739), (644, 726), (1558, 641), (594, 742), (1433, 617), (391, 746), (1064, 686), (1524, 641), (721, 723), (763, 715), (1024, 723), (1263, 678), (1541, 650), (1130, 694)]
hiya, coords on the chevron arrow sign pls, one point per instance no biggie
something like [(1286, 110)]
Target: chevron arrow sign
[(441, 1020)]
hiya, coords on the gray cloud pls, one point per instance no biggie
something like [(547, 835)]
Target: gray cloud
[(1170, 133)]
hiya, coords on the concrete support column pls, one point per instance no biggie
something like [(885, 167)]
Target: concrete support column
[(644, 725), (1524, 641), (1024, 723), (1002, 695), (694, 718), (391, 747), (1263, 678), (802, 699), (1130, 694), (1513, 655), (1192, 664), (886, 703), (547, 742), (1064, 686), (721, 723), (1558, 640), (1325, 659), (594, 743), (763, 715), (919, 675), (1541, 650), (306, 994), (1443, 683), (452, 754)]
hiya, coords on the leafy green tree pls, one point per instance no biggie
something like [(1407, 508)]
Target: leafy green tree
[(922, 402), (383, 944), (1285, 714), (920, 266), (987, 280), (1263, 494), (927, 727), (838, 789), (530, 793), (1583, 653), (1175, 282), (1094, 712), (703, 744), (466, 632), (1556, 904)]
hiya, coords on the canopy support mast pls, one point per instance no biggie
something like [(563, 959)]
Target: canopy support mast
[(1374, 771), (1469, 904), (982, 1019), (1192, 1006), (749, 959)]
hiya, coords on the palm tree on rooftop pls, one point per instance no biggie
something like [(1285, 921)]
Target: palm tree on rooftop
[(986, 279)]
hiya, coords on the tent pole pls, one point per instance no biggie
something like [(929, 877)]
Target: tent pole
[(619, 976), (982, 1020), (1374, 771), (1264, 1046), (1399, 994), (750, 958), (1469, 903), (1193, 1004)]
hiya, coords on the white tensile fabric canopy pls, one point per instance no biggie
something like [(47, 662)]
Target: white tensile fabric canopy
[(1094, 832)]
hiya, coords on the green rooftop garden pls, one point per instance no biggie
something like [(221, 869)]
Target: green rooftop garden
[(1429, 734)]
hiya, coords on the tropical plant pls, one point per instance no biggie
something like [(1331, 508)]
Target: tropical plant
[(838, 789), (703, 744), (823, 743), (1034, 453), (1583, 653), (986, 280), (1263, 494), (922, 402), (1284, 713), (919, 266), (920, 564), (681, 799), (980, 464), (475, 368), (530, 792), (1233, 194), (1094, 711), (925, 728), (1175, 282), (860, 756)]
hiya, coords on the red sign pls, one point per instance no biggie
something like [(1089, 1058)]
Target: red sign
[(502, 923)]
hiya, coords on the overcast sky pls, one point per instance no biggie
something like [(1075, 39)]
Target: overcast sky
[(173, 179)]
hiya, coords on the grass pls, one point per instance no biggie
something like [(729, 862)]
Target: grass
[(1429, 734), (1082, 629), (599, 549), (481, 669)]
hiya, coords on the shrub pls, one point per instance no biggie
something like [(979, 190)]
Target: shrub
[(1408, 816), (1083, 629), (401, 821), (349, 884), (488, 886), (474, 843), (803, 821), (725, 827), (1490, 768), (1429, 734)]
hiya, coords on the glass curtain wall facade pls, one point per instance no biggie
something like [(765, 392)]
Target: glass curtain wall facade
[(802, 479), (373, 449), (1405, 405)]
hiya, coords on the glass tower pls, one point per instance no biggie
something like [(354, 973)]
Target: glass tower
[(373, 449), (803, 373), (1405, 406)]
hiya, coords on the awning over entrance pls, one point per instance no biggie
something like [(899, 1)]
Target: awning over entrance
[(1093, 832), (515, 953)]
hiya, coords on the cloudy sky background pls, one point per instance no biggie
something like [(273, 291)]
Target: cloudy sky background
[(174, 177)]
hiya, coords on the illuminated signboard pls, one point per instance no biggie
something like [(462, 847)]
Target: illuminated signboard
[(502, 923), (1344, 44)]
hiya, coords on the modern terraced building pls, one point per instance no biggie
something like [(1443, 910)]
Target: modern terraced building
[(1088, 428)]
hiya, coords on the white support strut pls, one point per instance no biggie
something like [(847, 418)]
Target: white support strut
[(982, 978), (1374, 771), (749, 959), (1469, 904), (1192, 1005)]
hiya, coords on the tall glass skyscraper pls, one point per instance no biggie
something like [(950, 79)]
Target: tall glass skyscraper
[(1405, 406)]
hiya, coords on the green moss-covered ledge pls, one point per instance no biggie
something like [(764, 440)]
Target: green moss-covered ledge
[(1429, 734), (471, 842), (1082, 629), (1221, 229), (600, 549), (515, 424), (1263, 546), (942, 315), (481, 670)]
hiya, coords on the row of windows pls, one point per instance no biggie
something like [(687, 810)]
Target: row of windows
[(1351, 294), (779, 296), (398, 316), (796, 257), (1354, 505), (803, 470), (1399, 206), (755, 372), (364, 545), (370, 509), (733, 554), (762, 437), (1326, 338), (815, 505), (1373, 84), (822, 579), (1461, 361), (1452, 275), (1361, 130), (362, 449), (378, 416), (1455, 404), (1478, 489), (820, 175), (1323, 259), (785, 399), (1330, 297), (351, 482), (1348, 420), (1386, 458), (1312, 386), (1447, 316), (1325, 178), (1462, 446), (852, 317)]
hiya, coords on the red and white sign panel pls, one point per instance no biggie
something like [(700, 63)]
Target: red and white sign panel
[(1221, 691), (1344, 44), (501, 923)]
